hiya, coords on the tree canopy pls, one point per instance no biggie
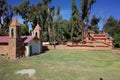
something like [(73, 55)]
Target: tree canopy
[(54, 28), (5, 16), (112, 27)]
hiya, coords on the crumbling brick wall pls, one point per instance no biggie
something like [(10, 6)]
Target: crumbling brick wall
[(4, 49)]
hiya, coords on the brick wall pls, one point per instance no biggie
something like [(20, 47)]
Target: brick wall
[(4, 49), (65, 47)]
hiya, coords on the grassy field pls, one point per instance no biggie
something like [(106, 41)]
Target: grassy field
[(64, 65)]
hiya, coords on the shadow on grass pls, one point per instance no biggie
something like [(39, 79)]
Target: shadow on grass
[(100, 78), (44, 49)]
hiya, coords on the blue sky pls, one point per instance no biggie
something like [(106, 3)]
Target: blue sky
[(103, 8)]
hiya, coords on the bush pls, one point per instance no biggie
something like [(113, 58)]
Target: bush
[(44, 37), (117, 40)]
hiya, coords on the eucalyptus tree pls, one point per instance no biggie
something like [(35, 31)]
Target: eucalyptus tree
[(34, 13), (24, 30), (23, 9), (66, 30), (3, 8), (94, 24), (112, 27), (46, 17), (75, 21), (51, 30), (85, 12), (5, 16), (57, 24)]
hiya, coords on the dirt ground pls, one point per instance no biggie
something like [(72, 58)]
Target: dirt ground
[(116, 50)]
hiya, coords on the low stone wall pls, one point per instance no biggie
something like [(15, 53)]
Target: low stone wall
[(4, 49), (65, 47), (89, 44)]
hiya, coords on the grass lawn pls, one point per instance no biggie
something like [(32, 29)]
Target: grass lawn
[(64, 65)]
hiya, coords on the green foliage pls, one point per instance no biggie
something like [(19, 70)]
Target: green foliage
[(85, 12), (58, 30), (56, 26), (75, 10), (117, 40), (75, 22), (94, 24), (44, 15), (95, 20), (3, 8), (80, 19), (2, 33), (66, 30), (86, 8), (44, 37), (23, 9), (112, 27), (5, 16), (24, 30), (6, 23), (39, 13)]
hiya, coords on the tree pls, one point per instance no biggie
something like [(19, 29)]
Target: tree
[(85, 12), (94, 24), (116, 40), (112, 27), (57, 24), (51, 30), (66, 30), (86, 8), (75, 21), (24, 30), (23, 10), (3, 8), (39, 13), (5, 15)]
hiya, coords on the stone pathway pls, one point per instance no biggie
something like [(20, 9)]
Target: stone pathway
[(30, 72)]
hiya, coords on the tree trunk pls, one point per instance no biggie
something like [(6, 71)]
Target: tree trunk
[(72, 32), (83, 35)]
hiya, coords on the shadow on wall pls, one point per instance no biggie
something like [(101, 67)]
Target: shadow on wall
[(44, 49)]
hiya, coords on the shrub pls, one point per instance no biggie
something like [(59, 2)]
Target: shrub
[(117, 40)]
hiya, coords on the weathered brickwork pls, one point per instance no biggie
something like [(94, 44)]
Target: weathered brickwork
[(4, 49), (13, 45), (15, 49), (15, 42)]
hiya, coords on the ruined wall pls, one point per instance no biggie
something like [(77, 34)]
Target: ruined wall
[(4, 49)]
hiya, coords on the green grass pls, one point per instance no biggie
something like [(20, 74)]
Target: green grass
[(64, 65)]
